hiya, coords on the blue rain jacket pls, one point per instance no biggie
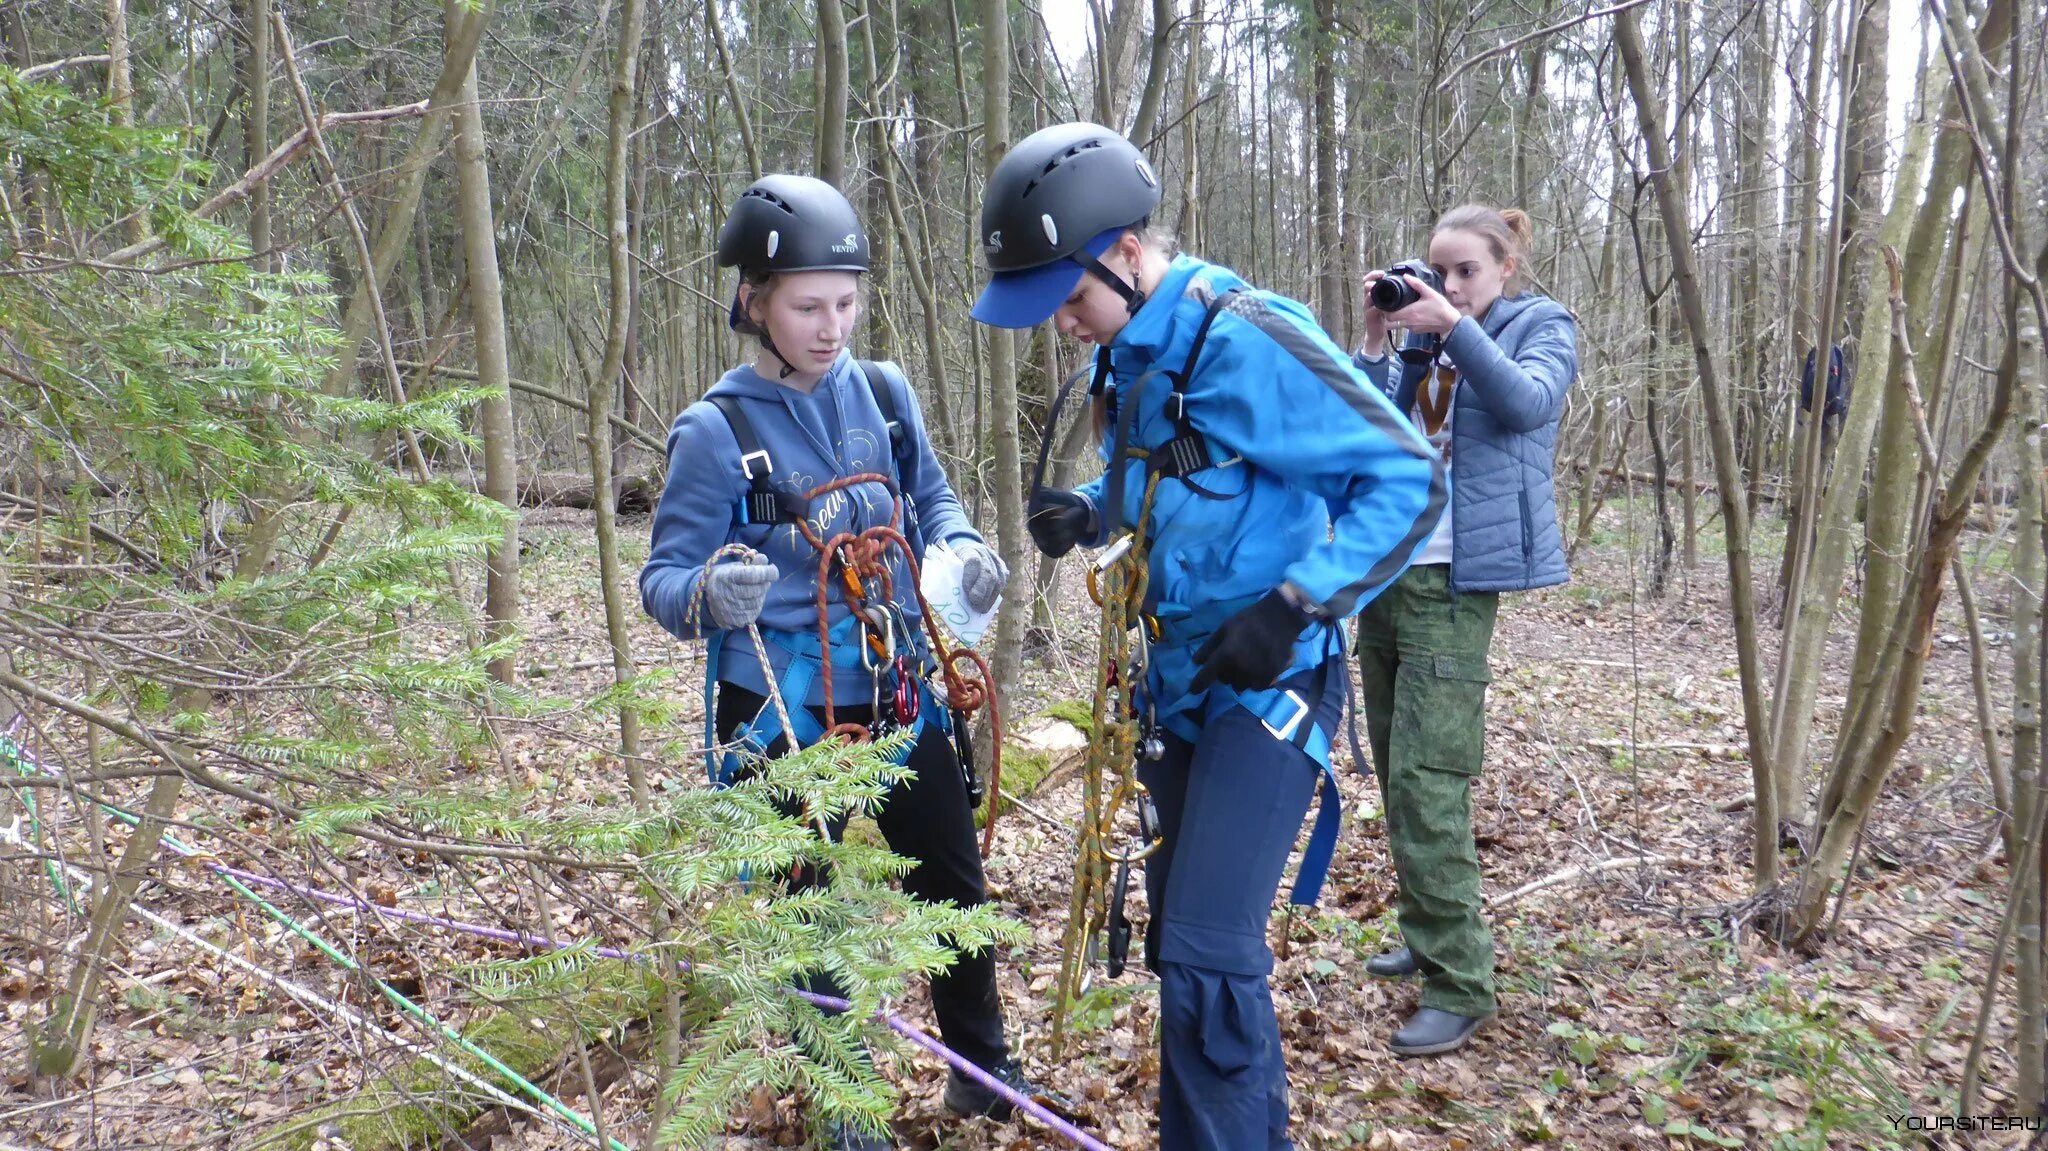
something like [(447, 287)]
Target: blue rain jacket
[(1331, 490), (836, 430)]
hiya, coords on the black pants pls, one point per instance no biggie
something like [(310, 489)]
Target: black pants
[(925, 818)]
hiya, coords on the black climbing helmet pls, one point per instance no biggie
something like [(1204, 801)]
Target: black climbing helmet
[(785, 223), (1052, 196)]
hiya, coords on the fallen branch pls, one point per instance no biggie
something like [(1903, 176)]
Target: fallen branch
[(1570, 874), (279, 156), (36, 70), (638, 435), (1710, 749)]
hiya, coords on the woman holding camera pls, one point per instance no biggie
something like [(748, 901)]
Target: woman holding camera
[(1270, 491), (1483, 374), (769, 462)]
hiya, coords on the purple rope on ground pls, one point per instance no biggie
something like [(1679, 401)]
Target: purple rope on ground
[(897, 1023)]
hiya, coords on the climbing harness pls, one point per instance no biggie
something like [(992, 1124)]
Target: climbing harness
[(884, 642), (1125, 726)]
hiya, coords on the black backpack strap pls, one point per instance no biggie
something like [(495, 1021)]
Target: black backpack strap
[(1188, 451), (764, 503), (885, 399)]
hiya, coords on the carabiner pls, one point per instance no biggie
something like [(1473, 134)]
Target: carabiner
[(848, 575), (1149, 837), (906, 693)]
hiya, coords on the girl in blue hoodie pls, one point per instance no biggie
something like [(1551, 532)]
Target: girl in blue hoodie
[(1483, 374), (802, 414)]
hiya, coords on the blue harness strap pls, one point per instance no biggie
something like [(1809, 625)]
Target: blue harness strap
[(805, 662), (1291, 718)]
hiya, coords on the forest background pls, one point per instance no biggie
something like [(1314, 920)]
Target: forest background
[(341, 339)]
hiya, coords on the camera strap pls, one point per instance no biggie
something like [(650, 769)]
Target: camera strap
[(1424, 355)]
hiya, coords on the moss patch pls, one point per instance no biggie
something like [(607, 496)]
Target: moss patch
[(1078, 712), (419, 1103), (1022, 772)]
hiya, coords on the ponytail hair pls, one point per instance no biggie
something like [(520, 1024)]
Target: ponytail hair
[(1508, 234)]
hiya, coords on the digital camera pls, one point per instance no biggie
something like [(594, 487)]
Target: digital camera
[(1393, 293)]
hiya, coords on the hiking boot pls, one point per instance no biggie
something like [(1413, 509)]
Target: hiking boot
[(1396, 964), (966, 1095), (1433, 1032)]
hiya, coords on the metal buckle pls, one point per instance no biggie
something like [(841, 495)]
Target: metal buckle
[(1177, 406), (1114, 552), (1285, 732), (747, 467)]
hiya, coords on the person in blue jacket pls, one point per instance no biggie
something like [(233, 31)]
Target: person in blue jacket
[(1483, 375), (1291, 493), (803, 413)]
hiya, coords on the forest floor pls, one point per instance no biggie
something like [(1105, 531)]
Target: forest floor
[(1640, 1005)]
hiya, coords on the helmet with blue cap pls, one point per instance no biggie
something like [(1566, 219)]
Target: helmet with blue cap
[(1055, 202)]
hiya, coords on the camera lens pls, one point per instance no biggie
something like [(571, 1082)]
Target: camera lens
[(1392, 294)]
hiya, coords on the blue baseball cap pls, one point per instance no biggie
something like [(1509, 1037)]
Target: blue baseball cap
[(1028, 297)]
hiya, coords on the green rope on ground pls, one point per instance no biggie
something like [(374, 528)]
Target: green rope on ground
[(10, 756)]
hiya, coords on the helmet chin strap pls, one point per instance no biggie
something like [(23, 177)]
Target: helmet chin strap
[(1133, 298), (788, 369)]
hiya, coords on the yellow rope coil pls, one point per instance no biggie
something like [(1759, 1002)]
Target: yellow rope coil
[(1109, 778)]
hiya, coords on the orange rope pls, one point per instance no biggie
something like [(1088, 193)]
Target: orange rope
[(862, 555)]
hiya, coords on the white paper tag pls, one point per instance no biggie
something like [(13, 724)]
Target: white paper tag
[(940, 580)]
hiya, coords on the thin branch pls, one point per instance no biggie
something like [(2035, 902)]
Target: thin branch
[(1539, 34), (279, 156), (37, 70)]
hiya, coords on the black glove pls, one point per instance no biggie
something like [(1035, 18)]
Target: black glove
[(1253, 647), (1059, 519)]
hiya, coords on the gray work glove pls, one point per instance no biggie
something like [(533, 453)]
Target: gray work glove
[(982, 574), (734, 591)]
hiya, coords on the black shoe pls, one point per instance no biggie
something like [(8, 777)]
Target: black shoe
[(847, 1137), (1396, 964), (969, 1096), (1433, 1032)]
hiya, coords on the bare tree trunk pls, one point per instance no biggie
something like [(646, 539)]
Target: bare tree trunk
[(493, 364), (733, 88), (1689, 495), (1660, 466), (8, 710), (1593, 493), (1156, 70), (256, 123), (1888, 507), (1810, 612), (830, 146), (2024, 786), (121, 94), (917, 248), (1804, 481), (1191, 177), (1820, 545), (1002, 357), (1534, 59), (1735, 516), (1856, 780), (411, 178), (1329, 268), (68, 1033), (598, 433)]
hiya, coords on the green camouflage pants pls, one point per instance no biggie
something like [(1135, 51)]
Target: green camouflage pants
[(1422, 663)]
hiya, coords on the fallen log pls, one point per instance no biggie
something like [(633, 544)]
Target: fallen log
[(637, 493)]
